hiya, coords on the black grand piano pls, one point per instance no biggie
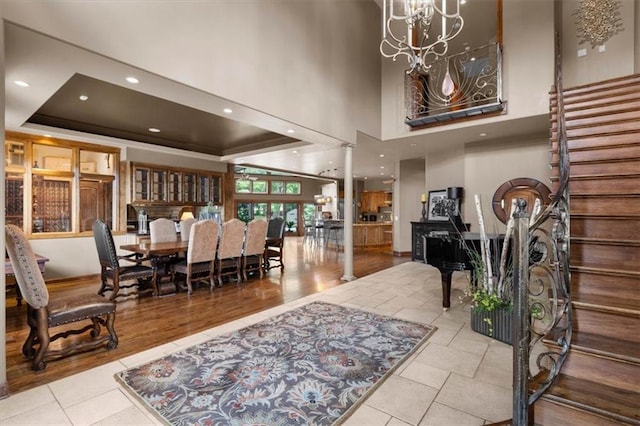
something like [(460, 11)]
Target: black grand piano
[(445, 246)]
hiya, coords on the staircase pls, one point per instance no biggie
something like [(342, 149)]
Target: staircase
[(599, 383)]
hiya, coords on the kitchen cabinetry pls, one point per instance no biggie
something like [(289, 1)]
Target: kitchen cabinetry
[(159, 185), (371, 235), (371, 201)]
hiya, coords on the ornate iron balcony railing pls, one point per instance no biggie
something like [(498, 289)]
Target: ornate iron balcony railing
[(461, 85)]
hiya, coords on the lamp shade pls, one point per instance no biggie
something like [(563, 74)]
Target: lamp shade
[(186, 215), (454, 192)]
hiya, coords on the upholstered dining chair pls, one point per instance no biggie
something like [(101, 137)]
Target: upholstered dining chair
[(229, 255), (44, 313), (201, 254), (274, 246), (253, 251), (112, 271), (162, 230), (185, 227)]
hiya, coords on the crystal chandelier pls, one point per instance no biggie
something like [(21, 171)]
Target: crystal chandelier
[(429, 24)]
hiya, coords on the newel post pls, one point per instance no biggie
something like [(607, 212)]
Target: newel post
[(521, 314)]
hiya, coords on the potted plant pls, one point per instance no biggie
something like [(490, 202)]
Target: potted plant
[(490, 288), (490, 293), (290, 225)]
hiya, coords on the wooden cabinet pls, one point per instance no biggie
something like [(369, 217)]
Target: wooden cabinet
[(371, 235), (371, 201), (174, 186), (359, 236), (189, 189), (141, 184), (159, 185)]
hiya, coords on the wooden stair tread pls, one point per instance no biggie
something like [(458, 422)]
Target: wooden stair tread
[(625, 305), (611, 347), (618, 404)]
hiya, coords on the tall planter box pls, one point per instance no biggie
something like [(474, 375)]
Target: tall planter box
[(500, 327)]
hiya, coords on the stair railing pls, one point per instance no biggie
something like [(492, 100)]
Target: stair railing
[(542, 303)]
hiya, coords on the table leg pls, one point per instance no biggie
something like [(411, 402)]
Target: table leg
[(446, 288)]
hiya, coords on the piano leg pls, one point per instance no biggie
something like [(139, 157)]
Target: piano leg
[(446, 288)]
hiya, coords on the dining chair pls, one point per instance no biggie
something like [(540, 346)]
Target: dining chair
[(44, 313), (162, 230), (111, 270), (185, 227), (253, 251), (201, 254), (229, 254), (274, 245)]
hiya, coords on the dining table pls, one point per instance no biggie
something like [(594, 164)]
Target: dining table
[(159, 254)]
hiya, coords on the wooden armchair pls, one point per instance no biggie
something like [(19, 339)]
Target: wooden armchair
[(253, 252), (111, 270), (274, 245), (43, 313), (229, 254), (201, 254)]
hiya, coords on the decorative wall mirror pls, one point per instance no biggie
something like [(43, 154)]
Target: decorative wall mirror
[(528, 189)]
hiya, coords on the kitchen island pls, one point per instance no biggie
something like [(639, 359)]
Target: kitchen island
[(365, 234)]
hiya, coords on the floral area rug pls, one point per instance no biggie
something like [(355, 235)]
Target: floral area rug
[(309, 366)]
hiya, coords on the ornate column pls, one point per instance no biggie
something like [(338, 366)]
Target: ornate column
[(348, 214)]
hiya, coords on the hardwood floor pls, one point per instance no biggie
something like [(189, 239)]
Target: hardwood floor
[(146, 322)]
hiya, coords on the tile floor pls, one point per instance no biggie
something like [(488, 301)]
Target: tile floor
[(458, 377)]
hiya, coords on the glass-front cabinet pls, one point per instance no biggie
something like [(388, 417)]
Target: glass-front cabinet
[(141, 184), (172, 186), (204, 188), (55, 186), (158, 185), (190, 187)]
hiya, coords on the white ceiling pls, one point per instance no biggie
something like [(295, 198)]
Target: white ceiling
[(47, 64)]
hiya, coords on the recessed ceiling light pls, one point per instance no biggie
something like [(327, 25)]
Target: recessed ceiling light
[(483, 134), (365, 178), (227, 110), (83, 97), (381, 173), (154, 130), (473, 58), (330, 162), (291, 131), (22, 83), (294, 151), (133, 80), (381, 155), (413, 144)]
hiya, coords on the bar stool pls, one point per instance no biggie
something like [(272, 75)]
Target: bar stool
[(333, 231)]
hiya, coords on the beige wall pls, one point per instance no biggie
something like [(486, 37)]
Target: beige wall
[(277, 57), (619, 59), (489, 164), (408, 187)]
